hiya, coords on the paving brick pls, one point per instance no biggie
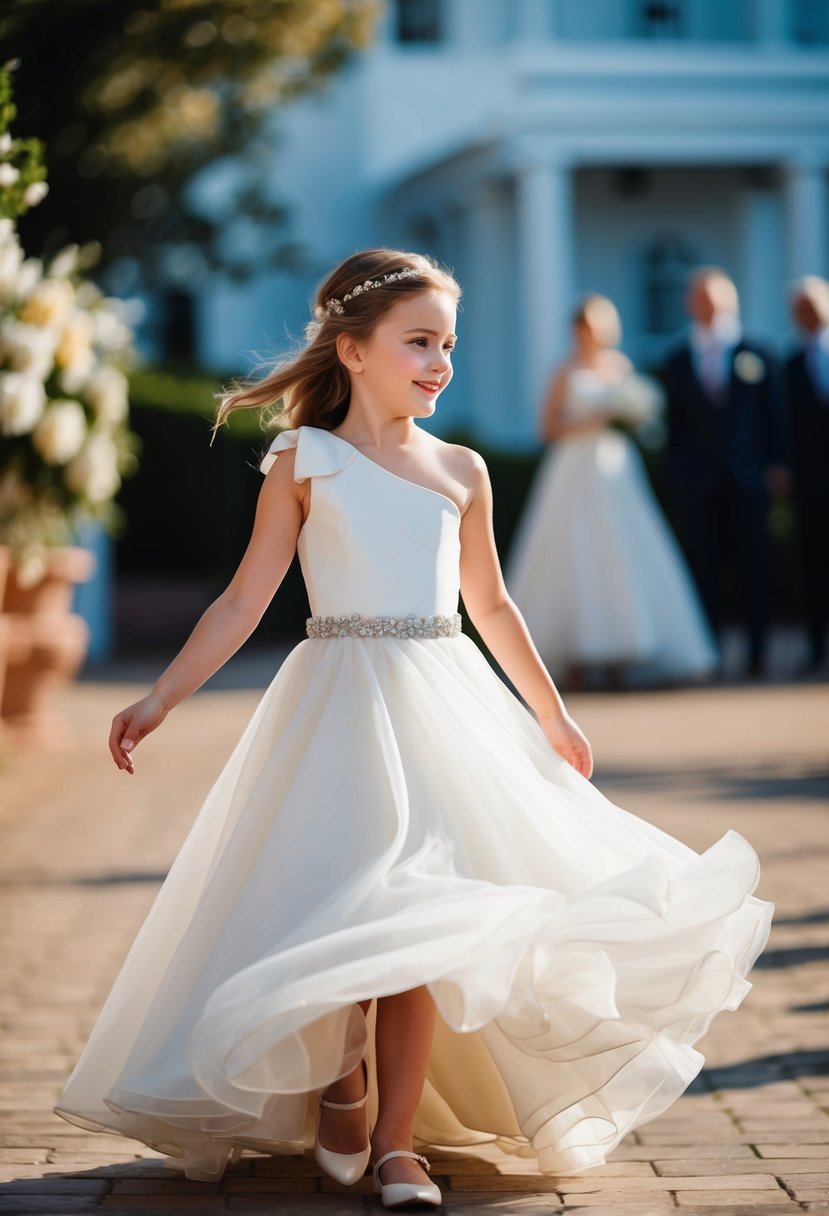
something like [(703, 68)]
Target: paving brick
[(721, 1199), (776, 1151), (45, 1205), (715, 1169), (735, 1182)]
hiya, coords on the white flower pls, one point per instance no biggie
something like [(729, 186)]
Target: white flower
[(64, 262), (11, 259), (111, 334), (749, 367), (35, 193), (94, 471), (107, 391), (637, 399), (22, 399), (8, 174), (5, 143), (73, 378), (88, 294), (74, 353), (50, 303), (27, 348), (28, 277), (61, 432)]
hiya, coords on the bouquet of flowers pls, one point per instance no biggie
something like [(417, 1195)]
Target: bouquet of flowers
[(638, 404), (65, 349)]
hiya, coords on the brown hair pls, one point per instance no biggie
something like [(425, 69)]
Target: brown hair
[(312, 388)]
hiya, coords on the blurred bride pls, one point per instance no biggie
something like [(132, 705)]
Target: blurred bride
[(594, 567)]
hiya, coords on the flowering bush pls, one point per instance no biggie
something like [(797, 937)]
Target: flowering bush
[(65, 349)]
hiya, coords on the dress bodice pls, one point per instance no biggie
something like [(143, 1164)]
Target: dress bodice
[(587, 393), (373, 543)]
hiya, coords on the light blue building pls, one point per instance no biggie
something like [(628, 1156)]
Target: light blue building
[(544, 148)]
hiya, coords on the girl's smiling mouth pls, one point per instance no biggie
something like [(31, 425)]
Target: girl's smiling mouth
[(428, 386)]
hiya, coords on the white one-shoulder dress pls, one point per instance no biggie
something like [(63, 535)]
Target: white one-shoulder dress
[(594, 567), (393, 816)]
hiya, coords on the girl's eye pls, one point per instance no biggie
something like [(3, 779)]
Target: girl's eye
[(425, 342)]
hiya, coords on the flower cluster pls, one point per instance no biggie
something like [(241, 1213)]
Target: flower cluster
[(64, 440), (357, 626)]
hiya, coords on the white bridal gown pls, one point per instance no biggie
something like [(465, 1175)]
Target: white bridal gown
[(393, 816), (594, 567)]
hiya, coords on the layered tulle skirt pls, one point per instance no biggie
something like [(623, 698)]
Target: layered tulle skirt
[(393, 816)]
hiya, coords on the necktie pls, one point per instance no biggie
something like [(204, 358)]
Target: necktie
[(711, 369)]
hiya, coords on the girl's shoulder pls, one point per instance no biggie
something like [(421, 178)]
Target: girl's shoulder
[(463, 464)]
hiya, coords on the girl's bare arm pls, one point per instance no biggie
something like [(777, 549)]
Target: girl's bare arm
[(502, 627), (230, 619)]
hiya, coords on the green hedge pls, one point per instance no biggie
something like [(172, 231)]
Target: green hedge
[(190, 507)]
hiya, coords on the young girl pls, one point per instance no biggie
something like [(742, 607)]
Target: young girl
[(594, 568), (402, 896)]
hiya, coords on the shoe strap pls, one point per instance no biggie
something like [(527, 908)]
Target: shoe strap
[(402, 1152), (348, 1105), (343, 1105)]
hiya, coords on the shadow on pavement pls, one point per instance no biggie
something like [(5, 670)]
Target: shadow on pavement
[(749, 1074), (766, 782)]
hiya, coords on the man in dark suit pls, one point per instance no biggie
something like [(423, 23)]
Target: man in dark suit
[(726, 451), (807, 397)]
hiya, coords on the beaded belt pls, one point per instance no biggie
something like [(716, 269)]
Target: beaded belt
[(411, 626)]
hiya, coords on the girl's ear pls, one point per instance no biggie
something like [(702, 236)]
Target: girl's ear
[(349, 352)]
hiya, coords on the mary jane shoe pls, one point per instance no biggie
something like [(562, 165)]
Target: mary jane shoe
[(401, 1194), (345, 1168)]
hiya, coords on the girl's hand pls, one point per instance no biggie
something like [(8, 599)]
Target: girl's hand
[(568, 740), (131, 725)]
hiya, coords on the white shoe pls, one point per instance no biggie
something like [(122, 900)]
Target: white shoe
[(396, 1194), (345, 1168)]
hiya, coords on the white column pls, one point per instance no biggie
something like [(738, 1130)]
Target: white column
[(807, 218), (762, 302), (772, 21), (544, 265), (469, 23), (482, 320)]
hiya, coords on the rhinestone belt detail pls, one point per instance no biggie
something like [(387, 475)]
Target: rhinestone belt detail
[(411, 626)]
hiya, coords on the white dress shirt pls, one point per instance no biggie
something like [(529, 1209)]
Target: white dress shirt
[(711, 348)]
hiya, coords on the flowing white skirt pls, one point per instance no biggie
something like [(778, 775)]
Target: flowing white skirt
[(596, 572), (393, 816)]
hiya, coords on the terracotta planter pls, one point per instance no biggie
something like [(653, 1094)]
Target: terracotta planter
[(45, 646)]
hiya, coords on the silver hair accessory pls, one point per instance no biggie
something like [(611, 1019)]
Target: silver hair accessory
[(337, 306)]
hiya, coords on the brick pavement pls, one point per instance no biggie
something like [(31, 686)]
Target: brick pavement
[(85, 848)]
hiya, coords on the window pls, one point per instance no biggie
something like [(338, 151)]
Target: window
[(658, 19), (810, 22), (178, 324), (666, 265), (418, 21)]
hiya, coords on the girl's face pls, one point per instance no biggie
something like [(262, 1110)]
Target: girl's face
[(407, 361)]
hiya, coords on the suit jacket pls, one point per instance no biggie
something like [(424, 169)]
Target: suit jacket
[(735, 438), (809, 423)]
